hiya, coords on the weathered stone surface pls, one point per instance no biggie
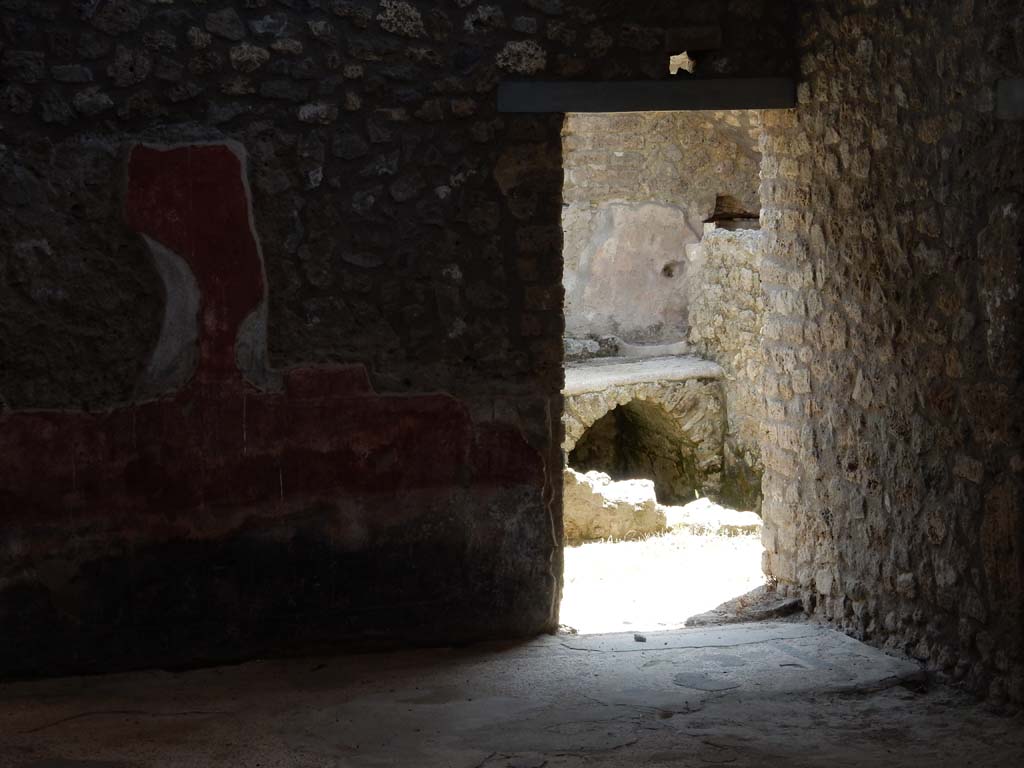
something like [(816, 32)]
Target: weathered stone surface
[(582, 349), (597, 508), (638, 189), (705, 518), (755, 687), (762, 604), (117, 16), (198, 38), (1000, 282), (886, 228), (129, 67), (726, 324), (668, 430), (622, 251), (248, 58), (226, 23), (288, 45), (484, 18), (598, 376), (92, 101), (318, 112), (524, 57), (401, 18)]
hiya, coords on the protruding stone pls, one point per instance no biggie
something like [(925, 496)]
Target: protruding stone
[(130, 66), (226, 23), (116, 17), (271, 25), (484, 18), (198, 38), (401, 18), (524, 57), (597, 508), (287, 45), (248, 58), (318, 112), (92, 101), (322, 30)]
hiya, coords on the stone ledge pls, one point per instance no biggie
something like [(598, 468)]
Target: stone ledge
[(602, 374)]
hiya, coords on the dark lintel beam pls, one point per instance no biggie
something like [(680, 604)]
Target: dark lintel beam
[(648, 95)]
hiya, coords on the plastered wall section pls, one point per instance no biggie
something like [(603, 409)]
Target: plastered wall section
[(638, 189)]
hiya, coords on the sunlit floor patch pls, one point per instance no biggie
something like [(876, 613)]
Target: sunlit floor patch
[(656, 583)]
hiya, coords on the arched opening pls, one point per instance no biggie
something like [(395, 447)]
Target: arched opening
[(642, 492), (642, 440)]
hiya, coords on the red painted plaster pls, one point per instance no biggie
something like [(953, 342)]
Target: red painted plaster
[(193, 201), (220, 443)]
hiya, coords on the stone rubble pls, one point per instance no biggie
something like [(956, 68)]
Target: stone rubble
[(598, 508), (705, 518)]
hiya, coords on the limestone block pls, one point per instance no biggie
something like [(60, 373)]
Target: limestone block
[(597, 508), (705, 518)]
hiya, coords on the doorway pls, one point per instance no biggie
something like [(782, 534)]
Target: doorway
[(663, 318)]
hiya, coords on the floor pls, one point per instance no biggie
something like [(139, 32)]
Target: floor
[(657, 583), (770, 694)]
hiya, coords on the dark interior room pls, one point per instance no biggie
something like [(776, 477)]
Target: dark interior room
[(484, 384)]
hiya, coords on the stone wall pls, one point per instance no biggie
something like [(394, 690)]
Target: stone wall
[(385, 217), (726, 318), (331, 180), (892, 445), (638, 189)]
